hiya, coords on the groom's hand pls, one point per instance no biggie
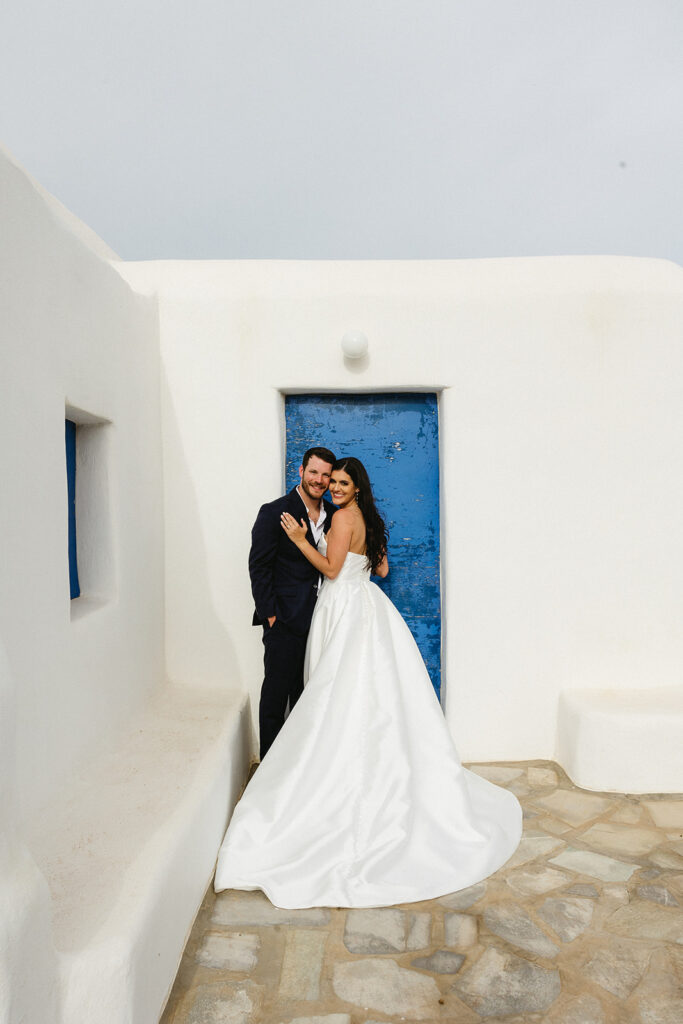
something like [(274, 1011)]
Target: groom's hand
[(271, 620)]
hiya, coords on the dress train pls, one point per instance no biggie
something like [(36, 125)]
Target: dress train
[(362, 800)]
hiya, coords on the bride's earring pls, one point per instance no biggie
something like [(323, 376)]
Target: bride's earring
[(356, 495)]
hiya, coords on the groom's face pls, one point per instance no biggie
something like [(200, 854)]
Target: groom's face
[(315, 478)]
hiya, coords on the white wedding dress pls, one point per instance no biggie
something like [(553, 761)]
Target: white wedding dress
[(361, 800)]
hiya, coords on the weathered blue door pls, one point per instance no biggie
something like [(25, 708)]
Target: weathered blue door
[(396, 437)]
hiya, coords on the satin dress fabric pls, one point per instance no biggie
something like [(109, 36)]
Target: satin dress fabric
[(362, 800)]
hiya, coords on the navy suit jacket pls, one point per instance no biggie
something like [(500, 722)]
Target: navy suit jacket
[(283, 581)]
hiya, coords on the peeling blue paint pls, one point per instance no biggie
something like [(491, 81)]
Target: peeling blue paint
[(396, 436)]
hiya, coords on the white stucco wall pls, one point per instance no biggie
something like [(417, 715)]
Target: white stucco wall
[(72, 332), (28, 961), (561, 412)]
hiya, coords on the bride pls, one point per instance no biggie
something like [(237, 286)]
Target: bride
[(362, 801)]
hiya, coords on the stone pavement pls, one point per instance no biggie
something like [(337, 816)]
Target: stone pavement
[(583, 925)]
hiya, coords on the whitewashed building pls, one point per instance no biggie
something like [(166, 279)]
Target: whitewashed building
[(126, 713)]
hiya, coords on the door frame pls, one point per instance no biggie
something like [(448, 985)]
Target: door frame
[(385, 389)]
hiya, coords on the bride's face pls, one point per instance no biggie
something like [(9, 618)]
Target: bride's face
[(342, 488)]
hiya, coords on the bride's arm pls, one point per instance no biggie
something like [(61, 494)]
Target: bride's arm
[(383, 568), (338, 542)]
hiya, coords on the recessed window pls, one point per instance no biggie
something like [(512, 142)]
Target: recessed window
[(91, 554), (71, 490)]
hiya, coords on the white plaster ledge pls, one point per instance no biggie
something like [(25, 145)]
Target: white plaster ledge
[(129, 850), (83, 606), (622, 741)]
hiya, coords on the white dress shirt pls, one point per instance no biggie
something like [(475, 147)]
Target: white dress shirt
[(316, 527)]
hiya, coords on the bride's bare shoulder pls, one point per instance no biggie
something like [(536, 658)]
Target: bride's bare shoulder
[(345, 515), (343, 518)]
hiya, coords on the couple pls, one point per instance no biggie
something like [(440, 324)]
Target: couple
[(361, 800)]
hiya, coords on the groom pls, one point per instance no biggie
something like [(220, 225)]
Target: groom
[(285, 588)]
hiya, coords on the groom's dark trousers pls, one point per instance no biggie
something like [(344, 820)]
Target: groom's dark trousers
[(284, 584)]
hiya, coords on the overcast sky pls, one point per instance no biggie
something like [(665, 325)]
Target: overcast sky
[(353, 128)]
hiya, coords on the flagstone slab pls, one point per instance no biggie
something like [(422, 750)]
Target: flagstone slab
[(443, 961), (647, 920), (618, 968), (615, 893), (465, 898), (519, 787), (539, 778), (383, 985), (531, 847), (386, 930), (583, 889), (536, 879), (568, 918), (649, 873), (460, 930), (235, 909), (583, 1009), (595, 864), (302, 964), (628, 814), (622, 839), (511, 922), (660, 1008), (674, 883), (329, 1018), (375, 931), (553, 825), (419, 931), (502, 984), (657, 894), (666, 813), (497, 1020), (221, 1004), (667, 859), (229, 951), (659, 997), (573, 807), (496, 773)]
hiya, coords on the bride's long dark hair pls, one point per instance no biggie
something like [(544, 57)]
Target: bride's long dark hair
[(376, 534)]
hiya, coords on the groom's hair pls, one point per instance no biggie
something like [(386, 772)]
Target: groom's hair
[(320, 453)]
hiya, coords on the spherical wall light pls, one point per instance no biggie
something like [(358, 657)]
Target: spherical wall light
[(354, 345)]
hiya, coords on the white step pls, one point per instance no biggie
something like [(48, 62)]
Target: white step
[(130, 848), (622, 741)]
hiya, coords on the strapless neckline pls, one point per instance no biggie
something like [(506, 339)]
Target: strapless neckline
[(354, 568)]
